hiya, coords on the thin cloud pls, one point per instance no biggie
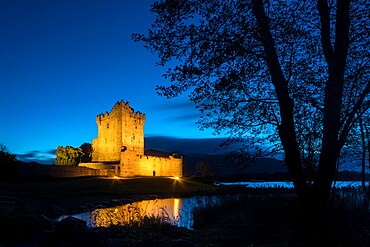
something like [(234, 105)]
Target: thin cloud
[(185, 145), (51, 151), (182, 104), (184, 117), (42, 157)]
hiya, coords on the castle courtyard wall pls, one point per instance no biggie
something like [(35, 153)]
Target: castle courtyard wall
[(56, 171), (162, 166), (92, 165), (145, 165)]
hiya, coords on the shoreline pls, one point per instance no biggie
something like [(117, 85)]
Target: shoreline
[(233, 221), (56, 197)]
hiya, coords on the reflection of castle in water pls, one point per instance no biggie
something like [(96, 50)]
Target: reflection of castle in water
[(166, 209)]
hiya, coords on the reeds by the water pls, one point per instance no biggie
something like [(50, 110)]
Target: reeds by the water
[(131, 215), (268, 217)]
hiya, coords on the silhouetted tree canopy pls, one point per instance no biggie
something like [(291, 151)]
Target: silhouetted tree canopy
[(5, 155), (87, 152), (68, 156), (280, 76), (8, 163)]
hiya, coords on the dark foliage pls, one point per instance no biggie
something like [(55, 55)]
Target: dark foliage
[(8, 163), (87, 150), (289, 77)]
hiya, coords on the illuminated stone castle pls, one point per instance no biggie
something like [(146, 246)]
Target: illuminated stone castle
[(120, 142)]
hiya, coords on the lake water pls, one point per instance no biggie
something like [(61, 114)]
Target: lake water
[(287, 184), (177, 211)]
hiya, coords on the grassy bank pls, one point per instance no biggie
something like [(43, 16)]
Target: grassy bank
[(86, 185), (60, 196), (24, 203)]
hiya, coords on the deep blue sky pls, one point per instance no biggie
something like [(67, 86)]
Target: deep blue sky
[(64, 62)]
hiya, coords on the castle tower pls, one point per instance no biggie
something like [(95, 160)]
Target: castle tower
[(119, 130), (120, 143)]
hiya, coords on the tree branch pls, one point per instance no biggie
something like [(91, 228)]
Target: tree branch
[(324, 12), (286, 129), (351, 116)]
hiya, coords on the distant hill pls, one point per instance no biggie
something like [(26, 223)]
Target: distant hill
[(208, 151), (219, 165), (185, 146)]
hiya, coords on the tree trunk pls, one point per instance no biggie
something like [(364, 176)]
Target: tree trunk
[(363, 159), (313, 199), (286, 129), (336, 58)]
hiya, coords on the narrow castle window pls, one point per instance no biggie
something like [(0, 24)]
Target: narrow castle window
[(107, 125)]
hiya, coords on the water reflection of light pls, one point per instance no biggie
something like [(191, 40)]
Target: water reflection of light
[(129, 213), (177, 211), (176, 208)]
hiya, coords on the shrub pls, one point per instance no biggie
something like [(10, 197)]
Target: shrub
[(68, 156)]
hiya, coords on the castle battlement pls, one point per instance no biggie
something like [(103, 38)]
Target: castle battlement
[(118, 109)]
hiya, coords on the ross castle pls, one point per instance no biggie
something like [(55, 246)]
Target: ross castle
[(120, 143)]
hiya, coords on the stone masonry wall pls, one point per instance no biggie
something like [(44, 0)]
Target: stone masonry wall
[(119, 128), (98, 166), (129, 164), (144, 165), (107, 146), (56, 171), (160, 166)]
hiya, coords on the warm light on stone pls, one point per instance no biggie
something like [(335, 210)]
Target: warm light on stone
[(120, 142), (176, 208)]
